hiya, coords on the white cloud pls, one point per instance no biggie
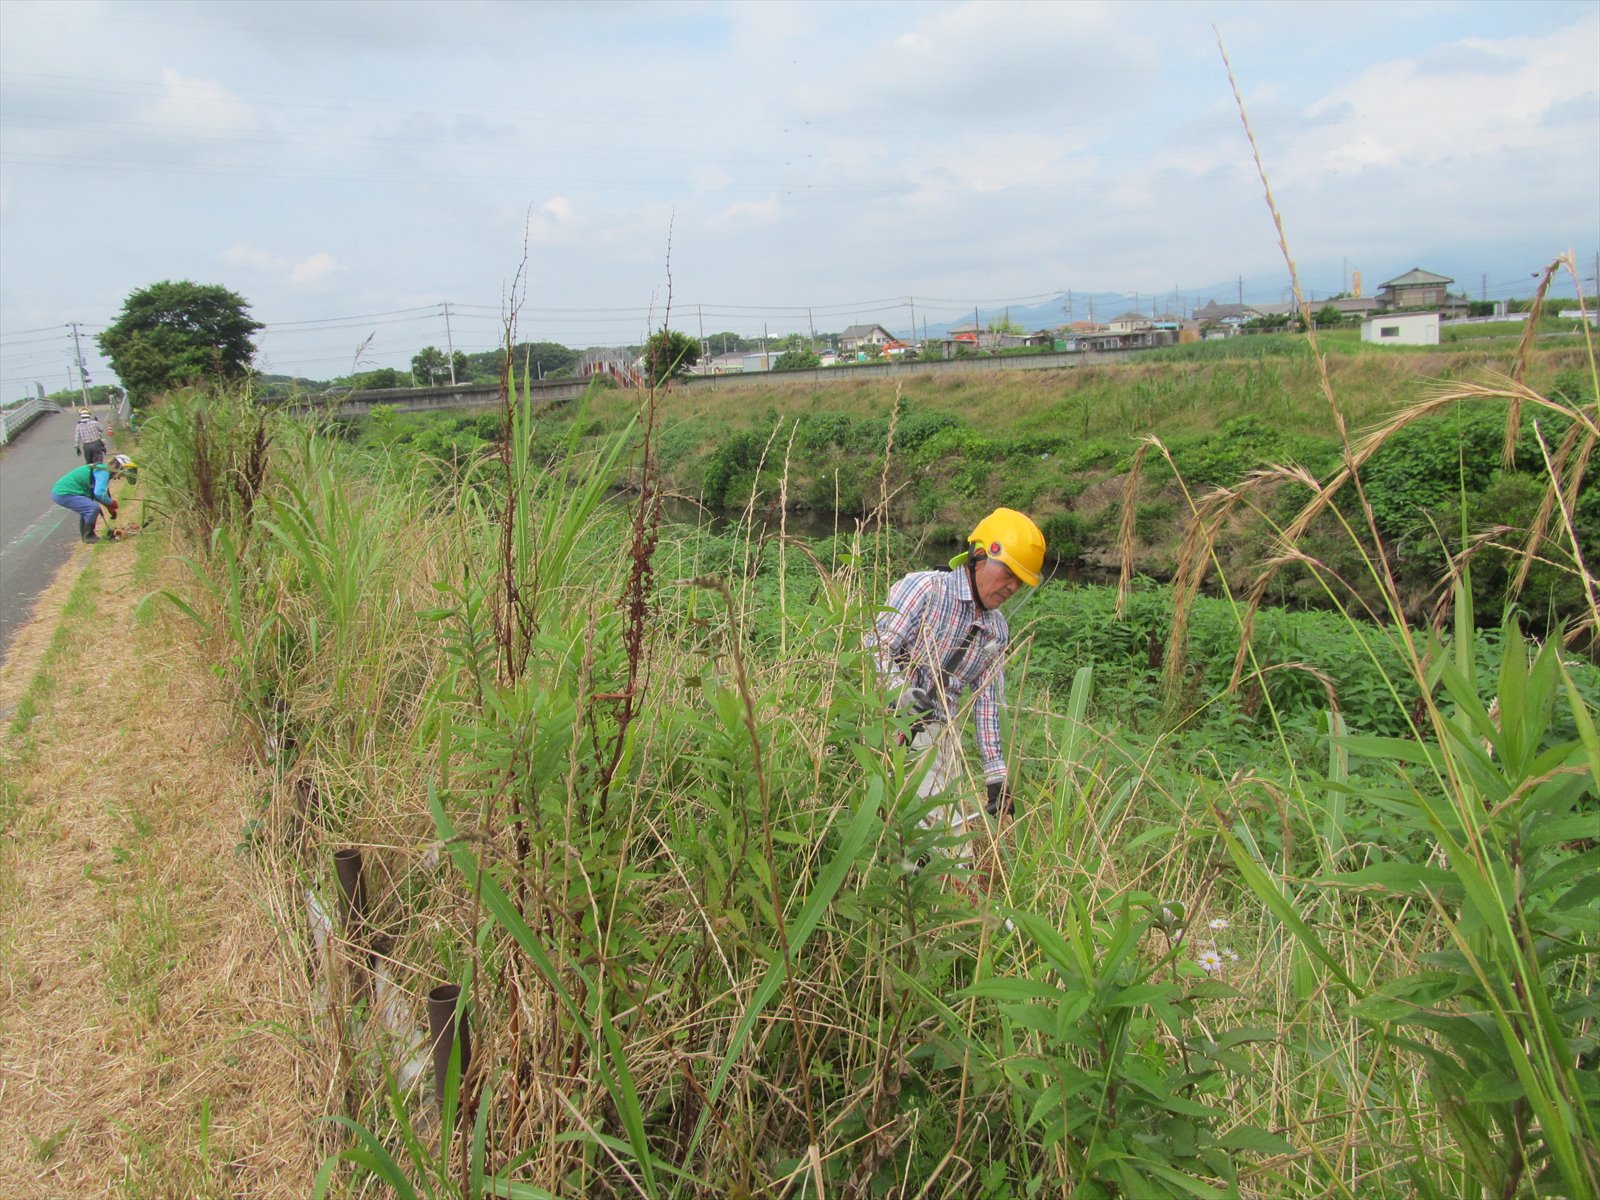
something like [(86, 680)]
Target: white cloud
[(314, 271), (188, 104), (559, 207), (1471, 99), (252, 258), (310, 272), (752, 212)]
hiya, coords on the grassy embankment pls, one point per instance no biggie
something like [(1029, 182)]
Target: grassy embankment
[(643, 803), (140, 1047), (1062, 444)]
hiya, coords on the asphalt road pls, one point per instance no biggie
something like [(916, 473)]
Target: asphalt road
[(36, 535)]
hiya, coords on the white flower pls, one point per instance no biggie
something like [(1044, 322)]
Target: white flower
[(1209, 960), (1219, 923), (1229, 953)]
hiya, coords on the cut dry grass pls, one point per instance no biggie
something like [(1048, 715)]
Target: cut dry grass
[(143, 1040)]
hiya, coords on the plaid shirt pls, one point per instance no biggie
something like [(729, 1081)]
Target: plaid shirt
[(918, 643), (88, 431)]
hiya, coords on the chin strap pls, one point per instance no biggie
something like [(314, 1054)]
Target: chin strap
[(972, 582)]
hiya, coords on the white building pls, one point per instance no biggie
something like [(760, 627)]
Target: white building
[(1402, 329)]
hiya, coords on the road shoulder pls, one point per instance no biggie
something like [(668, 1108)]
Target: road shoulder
[(146, 1031)]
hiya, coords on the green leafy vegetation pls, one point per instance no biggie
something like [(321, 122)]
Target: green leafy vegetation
[(669, 353), (175, 333), (1295, 904)]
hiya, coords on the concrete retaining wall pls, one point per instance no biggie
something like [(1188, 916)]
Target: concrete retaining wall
[(823, 376)]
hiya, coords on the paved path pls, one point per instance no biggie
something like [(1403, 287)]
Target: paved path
[(36, 536)]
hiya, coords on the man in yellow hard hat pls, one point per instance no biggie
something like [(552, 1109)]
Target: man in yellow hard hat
[(942, 638)]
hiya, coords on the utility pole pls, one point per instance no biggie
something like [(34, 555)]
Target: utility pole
[(812, 326), (83, 375), (912, 300), (1241, 291), (450, 346), (704, 349), (766, 363), (1069, 305), (1483, 287)]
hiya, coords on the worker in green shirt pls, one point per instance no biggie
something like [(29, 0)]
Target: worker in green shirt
[(87, 489)]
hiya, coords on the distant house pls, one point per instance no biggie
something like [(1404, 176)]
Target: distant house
[(1415, 289), (1213, 320), (1349, 306), (720, 364), (1138, 339), (1224, 314), (1129, 322), (859, 337), (1401, 329)]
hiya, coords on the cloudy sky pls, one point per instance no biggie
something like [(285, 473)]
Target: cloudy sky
[(351, 167)]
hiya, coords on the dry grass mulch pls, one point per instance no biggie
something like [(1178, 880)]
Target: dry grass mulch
[(149, 1012)]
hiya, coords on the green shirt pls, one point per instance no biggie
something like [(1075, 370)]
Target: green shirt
[(92, 480)]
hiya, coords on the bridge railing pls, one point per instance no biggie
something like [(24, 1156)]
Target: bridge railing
[(14, 420)]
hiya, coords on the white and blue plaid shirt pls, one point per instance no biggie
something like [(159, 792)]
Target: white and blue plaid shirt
[(87, 430), (932, 635)]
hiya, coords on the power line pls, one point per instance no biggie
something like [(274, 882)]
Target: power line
[(393, 312)]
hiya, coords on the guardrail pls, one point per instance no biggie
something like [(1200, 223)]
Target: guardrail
[(14, 420), (466, 395)]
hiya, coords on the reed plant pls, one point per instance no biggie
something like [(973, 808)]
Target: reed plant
[(651, 813)]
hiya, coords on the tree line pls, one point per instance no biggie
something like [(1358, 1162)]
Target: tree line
[(176, 333)]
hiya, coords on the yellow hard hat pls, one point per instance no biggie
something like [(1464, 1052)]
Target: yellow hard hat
[(1011, 537)]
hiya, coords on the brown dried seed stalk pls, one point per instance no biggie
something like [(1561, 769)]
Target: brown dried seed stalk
[(1130, 496)]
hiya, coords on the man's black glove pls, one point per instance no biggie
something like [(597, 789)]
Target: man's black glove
[(77, 452), (1000, 800)]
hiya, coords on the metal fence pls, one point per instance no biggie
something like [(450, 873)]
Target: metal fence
[(14, 420)]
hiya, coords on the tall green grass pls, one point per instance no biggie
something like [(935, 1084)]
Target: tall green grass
[(710, 949)]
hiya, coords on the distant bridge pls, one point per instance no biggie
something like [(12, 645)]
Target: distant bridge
[(433, 399), (614, 365)]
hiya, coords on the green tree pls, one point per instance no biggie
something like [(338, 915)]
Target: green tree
[(173, 333), (432, 365), (796, 360), (382, 377), (1328, 315), (669, 353), (728, 342)]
